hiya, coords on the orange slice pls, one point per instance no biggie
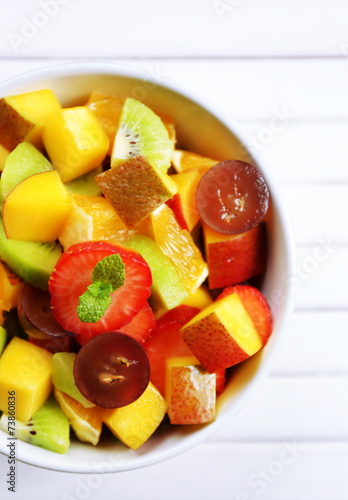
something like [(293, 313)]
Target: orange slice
[(186, 160), (177, 244), (85, 422), (107, 110), (92, 218)]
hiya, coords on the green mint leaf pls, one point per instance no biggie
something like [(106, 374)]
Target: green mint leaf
[(94, 302), (110, 270)]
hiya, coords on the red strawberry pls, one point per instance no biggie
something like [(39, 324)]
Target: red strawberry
[(140, 326), (73, 274), (167, 341), (256, 306)]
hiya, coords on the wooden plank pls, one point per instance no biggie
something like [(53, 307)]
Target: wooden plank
[(304, 151), (316, 344), (276, 471), (266, 90), (314, 210), (285, 408), (320, 278), (180, 29)]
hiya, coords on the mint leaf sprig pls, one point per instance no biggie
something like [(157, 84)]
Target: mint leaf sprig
[(108, 275)]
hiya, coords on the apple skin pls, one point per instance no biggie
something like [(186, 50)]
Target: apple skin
[(222, 335), (233, 259)]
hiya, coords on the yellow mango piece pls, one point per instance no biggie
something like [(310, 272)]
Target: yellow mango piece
[(23, 116), (75, 142), (10, 288), (222, 335), (25, 370), (190, 392), (4, 152), (37, 208), (201, 298), (135, 423)]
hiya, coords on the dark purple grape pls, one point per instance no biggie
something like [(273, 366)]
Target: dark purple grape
[(35, 314), (232, 197), (112, 370)]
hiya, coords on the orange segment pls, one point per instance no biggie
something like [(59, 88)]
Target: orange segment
[(186, 160), (93, 218), (85, 422), (177, 244), (107, 110)]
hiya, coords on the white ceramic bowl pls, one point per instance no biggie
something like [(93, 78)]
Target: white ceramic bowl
[(204, 129)]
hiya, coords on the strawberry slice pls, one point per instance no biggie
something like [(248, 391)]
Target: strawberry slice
[(175, 204), (73, 274), (167, 341), (140, 327), (256, 306)]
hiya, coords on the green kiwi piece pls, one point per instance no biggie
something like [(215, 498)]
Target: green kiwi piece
[(3, 339), (167, 289), (141, 133), (24, 161), (31, 261), (85, 184), (48, 428), (63, 377)]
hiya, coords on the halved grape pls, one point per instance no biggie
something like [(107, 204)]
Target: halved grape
[(112, 370), (232, 197), (35, 314)]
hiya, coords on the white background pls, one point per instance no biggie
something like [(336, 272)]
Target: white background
[(256, 59)]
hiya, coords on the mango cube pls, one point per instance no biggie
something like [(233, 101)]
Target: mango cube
[(135, 423), (190, 392), (222, 335), (23, 117), (37, 208), (75, 142), (26, 370), (10, 288)]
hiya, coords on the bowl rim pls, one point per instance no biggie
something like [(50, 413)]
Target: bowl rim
[(122, 70)]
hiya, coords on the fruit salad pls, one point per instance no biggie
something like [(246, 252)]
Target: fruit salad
[(128, 272)]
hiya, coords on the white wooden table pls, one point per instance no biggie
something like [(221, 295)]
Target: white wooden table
[(258, 60)]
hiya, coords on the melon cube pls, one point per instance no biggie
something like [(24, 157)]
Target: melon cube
[(26, 370)]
